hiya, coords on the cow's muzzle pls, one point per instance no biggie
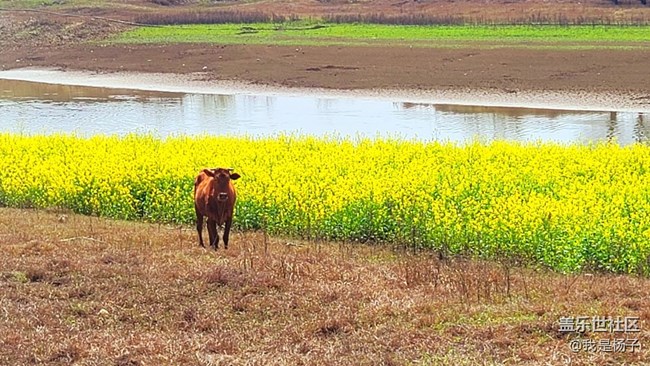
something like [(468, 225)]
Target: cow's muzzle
[(222, 196)]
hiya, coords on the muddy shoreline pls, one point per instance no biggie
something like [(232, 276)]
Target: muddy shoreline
[(200, 83)]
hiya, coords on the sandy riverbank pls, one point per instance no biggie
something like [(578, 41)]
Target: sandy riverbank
[(200, 83)]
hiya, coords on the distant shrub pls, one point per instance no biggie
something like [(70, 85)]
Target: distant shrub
[(212, 17), (169, 2)]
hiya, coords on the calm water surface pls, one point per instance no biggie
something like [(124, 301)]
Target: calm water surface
[(37, 108)]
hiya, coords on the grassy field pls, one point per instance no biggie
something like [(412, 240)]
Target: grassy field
[(86, 290), (569, 208), (301, 33)]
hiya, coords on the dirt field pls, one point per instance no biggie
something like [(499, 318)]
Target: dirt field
[(53, 41), (365, 67), (87, 291)]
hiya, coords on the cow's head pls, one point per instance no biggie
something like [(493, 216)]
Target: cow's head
[(222, 178)]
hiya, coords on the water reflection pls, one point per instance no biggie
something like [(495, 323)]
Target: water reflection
[(28, 107), (24, 90), (548, 124), (641, 128)]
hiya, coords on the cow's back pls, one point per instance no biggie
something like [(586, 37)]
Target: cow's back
[(201, 193)]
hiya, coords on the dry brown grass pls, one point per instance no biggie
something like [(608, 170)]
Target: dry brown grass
[(89, 291), (428, 11)]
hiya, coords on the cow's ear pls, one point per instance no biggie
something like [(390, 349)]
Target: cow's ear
[(235, 176), (208, 172), (197, 180)]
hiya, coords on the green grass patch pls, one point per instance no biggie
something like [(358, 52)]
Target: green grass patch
[(301, 33), (26, 4), (31, 4)]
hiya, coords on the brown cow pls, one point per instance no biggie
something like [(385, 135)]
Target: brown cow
[(214, 197)]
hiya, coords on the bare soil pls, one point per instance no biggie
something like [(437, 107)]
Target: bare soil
[(90, 291), (363, 67)]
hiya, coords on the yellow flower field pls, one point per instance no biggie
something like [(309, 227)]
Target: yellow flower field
[(565, 207)]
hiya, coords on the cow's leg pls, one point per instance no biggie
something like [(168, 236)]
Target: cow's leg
[(226, 232), (214, 234), (199, 227)]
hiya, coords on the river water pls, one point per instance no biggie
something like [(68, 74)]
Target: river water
[(40, 108)]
